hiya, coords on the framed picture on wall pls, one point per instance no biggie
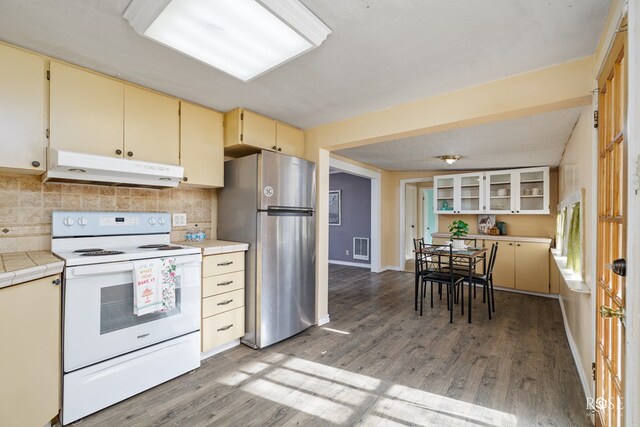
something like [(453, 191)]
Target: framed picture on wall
[(335, 208)]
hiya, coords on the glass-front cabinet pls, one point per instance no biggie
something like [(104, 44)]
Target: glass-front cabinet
[(500, 188), (462, 193), (533, 191), (518, 191), (514, 191)]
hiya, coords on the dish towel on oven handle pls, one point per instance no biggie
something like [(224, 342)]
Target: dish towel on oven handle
[(154, 285)]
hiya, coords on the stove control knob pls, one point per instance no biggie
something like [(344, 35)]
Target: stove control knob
[(161, 221), (83, 221), (152, 221), (68, 221)]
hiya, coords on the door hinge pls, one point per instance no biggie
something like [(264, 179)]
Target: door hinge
[(241, 116), (241, 137), (593, 370), (595, 119), (47, 133), (48, 75)]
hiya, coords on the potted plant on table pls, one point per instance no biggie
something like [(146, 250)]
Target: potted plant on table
[(458, 230)]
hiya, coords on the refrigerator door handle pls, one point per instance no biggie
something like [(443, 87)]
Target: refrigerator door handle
[(288, 211)]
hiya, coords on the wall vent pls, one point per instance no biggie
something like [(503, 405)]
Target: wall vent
[(361, 248)]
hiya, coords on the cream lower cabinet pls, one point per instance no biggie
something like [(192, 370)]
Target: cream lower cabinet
[(201, 145), (30, 357), (521, 265), (222, 299), (22, 111)]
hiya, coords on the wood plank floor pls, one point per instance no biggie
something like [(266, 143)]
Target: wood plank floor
[(379, 363)]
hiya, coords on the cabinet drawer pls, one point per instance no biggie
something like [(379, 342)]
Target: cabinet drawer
[(221, 264), (224, 302), (215, 285), (222, 328)]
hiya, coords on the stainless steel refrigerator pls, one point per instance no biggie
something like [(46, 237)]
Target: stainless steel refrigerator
[(268, 201)]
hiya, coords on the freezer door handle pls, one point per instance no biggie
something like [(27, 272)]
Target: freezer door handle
[(288, 211)]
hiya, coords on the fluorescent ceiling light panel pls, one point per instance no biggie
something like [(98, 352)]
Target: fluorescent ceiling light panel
[(244, 38)]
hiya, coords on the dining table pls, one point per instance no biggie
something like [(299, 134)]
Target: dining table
[(468, 256)]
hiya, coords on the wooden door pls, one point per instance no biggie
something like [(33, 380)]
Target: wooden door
[(22, 110), (289, 140), (532, 267), (258, 131), (610, 290), (151, 126), (86, 111), (201, 145), (30, 356), (410, 215), (504, 268)]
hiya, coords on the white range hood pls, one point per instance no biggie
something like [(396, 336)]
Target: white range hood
[(68, 166)]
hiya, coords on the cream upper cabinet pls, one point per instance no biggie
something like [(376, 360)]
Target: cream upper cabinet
[(289, 140), (246, 132), (500, 189), (86, 111), (459, 194), (151, 126), (201, 145), (532, 266), (22, 111), (30, 359)]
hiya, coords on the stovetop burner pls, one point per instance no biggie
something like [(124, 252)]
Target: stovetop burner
[(88, 250), (169, 248), (155, 246), (102, 253)]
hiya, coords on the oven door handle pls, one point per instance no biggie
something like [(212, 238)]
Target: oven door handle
[(98, 269)]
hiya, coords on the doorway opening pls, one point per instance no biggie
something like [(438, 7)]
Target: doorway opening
[(417, 217)]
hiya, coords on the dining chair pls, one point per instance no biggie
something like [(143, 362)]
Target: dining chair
[(416, 255), (486, 280), (436, 266)]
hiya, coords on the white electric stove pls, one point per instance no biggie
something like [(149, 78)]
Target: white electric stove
[(109, 353)]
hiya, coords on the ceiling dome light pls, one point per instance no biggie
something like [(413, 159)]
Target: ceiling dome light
[(450, 158)]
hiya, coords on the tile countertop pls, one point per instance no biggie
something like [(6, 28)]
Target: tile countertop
[(20, 267), (506, 238), (214, 247)]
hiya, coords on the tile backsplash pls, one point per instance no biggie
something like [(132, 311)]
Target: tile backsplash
[(26, 204)]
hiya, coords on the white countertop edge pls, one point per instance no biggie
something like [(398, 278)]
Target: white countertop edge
[(24, 275), (503, 237), (574, 282)]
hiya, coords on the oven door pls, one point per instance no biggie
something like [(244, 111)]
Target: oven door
[(98, 311)]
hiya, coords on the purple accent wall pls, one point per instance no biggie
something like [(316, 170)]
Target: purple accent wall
[(356, 215)]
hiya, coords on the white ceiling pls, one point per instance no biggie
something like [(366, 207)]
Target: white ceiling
[(381, 53), (530, 141)]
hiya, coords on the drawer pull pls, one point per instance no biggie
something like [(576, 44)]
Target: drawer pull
[(222, 264), (225, 283), (224, 328), (225, 302)]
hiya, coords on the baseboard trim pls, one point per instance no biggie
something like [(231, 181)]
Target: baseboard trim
[(535, 294), (575, 353), (219, 349), (323, 320), (351, 264), (391, 268)]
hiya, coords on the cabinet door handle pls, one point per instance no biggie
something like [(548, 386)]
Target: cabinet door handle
[(222, 264), (130, 153), (225, 302), (56, 282), (279, 149), (518, 244), (225, 283), (274, 147), (224, 328), (185, 179), (35, 164), (510, 244), (118, 151)]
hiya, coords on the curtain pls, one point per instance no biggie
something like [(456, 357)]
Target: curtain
[(565, 225), (573, 246)]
